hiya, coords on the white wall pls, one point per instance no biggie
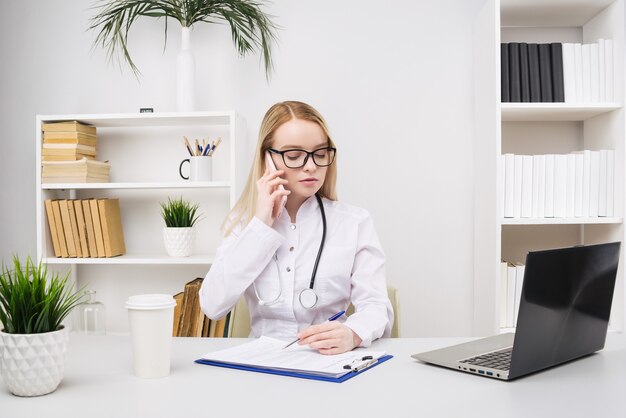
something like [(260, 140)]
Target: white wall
[(393, 80)]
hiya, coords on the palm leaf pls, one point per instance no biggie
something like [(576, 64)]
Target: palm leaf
[(251, 29)]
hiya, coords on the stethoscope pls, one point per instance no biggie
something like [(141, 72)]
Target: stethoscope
[(308, 297)]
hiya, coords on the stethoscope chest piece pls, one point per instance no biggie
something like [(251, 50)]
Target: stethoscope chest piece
[(308, 298)]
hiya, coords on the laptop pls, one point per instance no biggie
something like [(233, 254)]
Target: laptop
[(563, 315)]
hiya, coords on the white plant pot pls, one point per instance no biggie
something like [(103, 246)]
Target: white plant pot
[(33, 364), (185, 74), (179, 241)]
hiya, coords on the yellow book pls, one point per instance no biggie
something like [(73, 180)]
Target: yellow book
[(205, 326), (187, 316), (97, 228), (67, 227), (69, 138), (67, 149), (74, 225), (53, 228), (56, 210), (82, 230), (91, 237), (178, 297), (112, 231), (68, 126), (219, 328)]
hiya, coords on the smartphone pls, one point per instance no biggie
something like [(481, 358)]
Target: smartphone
[(269, 163)]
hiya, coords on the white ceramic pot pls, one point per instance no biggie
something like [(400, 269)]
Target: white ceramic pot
[(185, 74), (33, 364), (179, 241)]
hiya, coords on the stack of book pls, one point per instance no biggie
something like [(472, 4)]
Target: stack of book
[(190, 321), (85, 228), (555, 72), (580, 184), (68, 154)]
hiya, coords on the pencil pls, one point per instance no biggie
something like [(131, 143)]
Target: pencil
[(186, 143), (219, 141)]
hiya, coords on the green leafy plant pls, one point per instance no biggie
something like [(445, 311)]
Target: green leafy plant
[(179, 213), (250, 28), (32, 300)]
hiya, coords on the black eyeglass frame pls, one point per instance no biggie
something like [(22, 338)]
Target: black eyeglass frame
[(308, 154)]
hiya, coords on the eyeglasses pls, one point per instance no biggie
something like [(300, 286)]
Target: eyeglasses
[(296, 158)]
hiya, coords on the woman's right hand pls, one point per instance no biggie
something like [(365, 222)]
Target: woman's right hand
[(270, 195)]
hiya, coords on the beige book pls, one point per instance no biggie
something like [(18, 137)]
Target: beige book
[(212, 329), (66, 158), (200, 317), (67, 227), (205, 326), (74, 225), (67, 149), (178, 297), (187, 315), (97, 228), (53, 228), (91, 237), (219, 328), (56, 210), (75, 179), (82, 230), (69, 138), (68, 126), (112, 231)]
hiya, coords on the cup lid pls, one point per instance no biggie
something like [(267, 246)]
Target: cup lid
[(150, 301)]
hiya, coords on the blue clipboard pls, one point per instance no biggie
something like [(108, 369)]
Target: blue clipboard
[(300, 375)]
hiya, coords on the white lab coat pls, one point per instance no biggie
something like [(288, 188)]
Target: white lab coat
[(351, 269)]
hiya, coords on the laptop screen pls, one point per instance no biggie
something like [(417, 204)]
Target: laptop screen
[(565, 305)]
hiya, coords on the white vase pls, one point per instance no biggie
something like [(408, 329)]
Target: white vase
[(179, 241), (185, 74), (33, 364)]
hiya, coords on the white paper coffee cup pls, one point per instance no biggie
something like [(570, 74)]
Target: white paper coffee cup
[(151, 318)]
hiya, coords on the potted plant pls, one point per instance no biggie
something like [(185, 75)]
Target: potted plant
[(179, 235), (33, 304), (251, 30)]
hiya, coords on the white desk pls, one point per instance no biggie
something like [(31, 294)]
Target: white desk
[(99, 382)]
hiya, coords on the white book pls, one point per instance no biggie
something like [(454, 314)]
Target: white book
[(610, 183), (586, 55), (570, 185), (569, 73), (503, 293), (595, 73), (594, 184), (502, 185), (527, 184), (578, 70), (534, 210), (608, 56), (517, 186), (602, 183), (601, 71), (560, 185), (586, 181), (549, 202), (510, 296), (578, 185), (540, 163), (519, 281), (509, 175)]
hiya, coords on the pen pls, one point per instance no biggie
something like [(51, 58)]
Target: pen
[(332, 318), (186, 143)]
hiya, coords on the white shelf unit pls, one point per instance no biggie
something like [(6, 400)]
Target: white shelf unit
[(540, 128), (145, 151)]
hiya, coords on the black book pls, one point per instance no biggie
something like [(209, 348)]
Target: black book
[(535, 77), (545, 71), (524, 72), (514, 73), (558, 89), (504, 73)]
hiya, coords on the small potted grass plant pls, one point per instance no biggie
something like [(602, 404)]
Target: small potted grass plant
[(33, 304), (180, 216)]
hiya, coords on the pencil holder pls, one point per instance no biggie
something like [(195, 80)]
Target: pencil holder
[(200, 168)]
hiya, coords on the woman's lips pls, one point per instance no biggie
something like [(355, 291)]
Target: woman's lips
[(308, 181)]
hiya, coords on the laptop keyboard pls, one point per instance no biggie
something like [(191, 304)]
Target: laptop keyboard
[(500, 360)]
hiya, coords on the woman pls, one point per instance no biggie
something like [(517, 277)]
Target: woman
[(269, 255)]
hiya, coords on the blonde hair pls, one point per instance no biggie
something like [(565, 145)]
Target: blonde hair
[(278, 114)]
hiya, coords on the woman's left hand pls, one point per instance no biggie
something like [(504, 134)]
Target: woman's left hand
[(329, 338)]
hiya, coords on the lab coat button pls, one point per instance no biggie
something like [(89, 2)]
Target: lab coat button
[(288, 269), (290, 248), (293, 226)]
